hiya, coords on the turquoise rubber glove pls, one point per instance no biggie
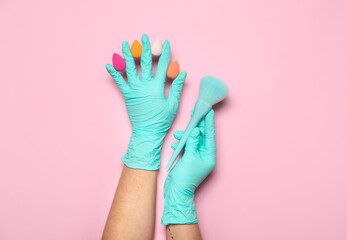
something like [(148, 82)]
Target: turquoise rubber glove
[(150, 112), (198, 160)]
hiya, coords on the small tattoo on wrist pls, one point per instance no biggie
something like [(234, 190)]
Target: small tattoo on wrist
[(171, 235)]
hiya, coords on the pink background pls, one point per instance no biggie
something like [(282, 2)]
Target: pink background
[(281, 134)]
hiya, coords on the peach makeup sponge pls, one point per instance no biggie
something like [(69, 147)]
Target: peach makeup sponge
[(118, 62), (157, 48), (136, 49), (173, 70)]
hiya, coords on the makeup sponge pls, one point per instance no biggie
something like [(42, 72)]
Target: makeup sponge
[(157, 48), (118, 62), (173, 70), (136, 49)]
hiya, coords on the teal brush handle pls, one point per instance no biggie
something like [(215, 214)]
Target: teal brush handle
[(200, 110)]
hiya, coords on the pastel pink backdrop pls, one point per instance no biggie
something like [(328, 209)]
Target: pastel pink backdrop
[(281, 134)]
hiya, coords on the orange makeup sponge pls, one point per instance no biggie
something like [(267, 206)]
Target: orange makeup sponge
[(136, 49), (173, 70)]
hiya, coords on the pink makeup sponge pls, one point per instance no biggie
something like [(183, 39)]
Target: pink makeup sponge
[(118, 62), (157, 48)]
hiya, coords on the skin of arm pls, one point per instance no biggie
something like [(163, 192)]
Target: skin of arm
[(133, 202), (183, 231), (132, 214)]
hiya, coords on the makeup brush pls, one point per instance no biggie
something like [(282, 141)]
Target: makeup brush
[(212, 90)]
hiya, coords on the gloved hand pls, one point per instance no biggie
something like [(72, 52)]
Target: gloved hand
[(198, 160), (150, 112)]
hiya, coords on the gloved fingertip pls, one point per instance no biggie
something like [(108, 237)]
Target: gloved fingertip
[(195, 132), (178, 134), (166, 44), (109, 68), (174, 145), (210, 115), (125, 48), (183, 75), (180, 79), (144, 37)]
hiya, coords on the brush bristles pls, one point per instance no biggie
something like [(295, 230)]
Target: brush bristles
[(212, 90)]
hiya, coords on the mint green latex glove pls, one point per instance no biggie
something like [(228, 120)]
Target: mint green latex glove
[(198, 160), (150, 112)]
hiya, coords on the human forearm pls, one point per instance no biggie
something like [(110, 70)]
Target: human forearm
[(151, 114), (198, 160), (133, 209)]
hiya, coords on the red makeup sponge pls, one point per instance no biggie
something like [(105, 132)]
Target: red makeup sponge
[(118, 62)]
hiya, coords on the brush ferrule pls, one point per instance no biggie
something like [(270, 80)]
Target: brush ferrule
[(200, 110)]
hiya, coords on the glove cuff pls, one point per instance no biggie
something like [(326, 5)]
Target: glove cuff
[(179, 207), (144, 152)]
